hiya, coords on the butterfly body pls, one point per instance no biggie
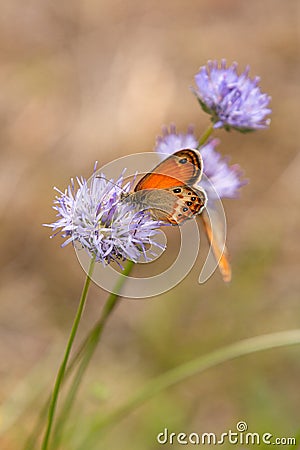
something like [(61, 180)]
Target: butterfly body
[(168, 191), (169, 206), (171, 194)]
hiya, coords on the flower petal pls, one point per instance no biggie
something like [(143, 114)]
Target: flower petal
[(232, 100)]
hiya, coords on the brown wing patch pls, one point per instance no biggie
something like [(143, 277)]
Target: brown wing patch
[(189, 202), (172, 205)]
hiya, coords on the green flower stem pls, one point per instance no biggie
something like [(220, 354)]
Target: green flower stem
[(205, 135), (91, 344), (31, 441), (62, 368), (184, 371)]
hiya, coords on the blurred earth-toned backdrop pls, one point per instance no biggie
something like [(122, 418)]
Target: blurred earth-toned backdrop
[(95, 80)]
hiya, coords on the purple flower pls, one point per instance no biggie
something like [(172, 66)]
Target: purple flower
[(171, 141), (232, 100), (225, 179), (221, 179), (94, 215)]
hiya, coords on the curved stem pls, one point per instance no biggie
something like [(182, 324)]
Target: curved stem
[(62, 368), (32, 439), (203, 139), (91, 344), (184, 371)]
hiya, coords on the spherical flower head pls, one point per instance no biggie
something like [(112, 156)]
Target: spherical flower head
[(220, 179), (94, 215), (232, 100)]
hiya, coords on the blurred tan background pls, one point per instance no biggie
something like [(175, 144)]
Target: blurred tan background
[(94, 80)]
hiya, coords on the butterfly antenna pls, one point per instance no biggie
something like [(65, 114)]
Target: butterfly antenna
[(117, 185), (110, 181)]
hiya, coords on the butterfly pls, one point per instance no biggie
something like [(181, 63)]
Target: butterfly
[(168, 192)]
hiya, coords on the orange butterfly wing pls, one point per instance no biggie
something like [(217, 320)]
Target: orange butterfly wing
[(177, 201), (182, 168), (166, 191)]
